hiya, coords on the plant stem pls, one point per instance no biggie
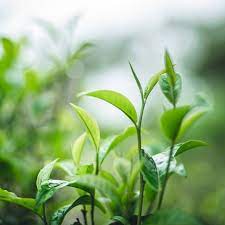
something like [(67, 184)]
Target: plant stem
[(44, 215), (166, 176), (84, 212), (142, 182)]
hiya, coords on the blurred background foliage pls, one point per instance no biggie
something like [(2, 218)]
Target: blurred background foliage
[(37, 82)]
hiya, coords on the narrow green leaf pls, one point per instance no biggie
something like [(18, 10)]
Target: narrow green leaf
[(122, 168), (171, 121), (188, 145), (116, 99), (149, 171), (108, 176), (171, 217), (59, 215), (169, 67), (45, 173), (111, 142), (11, 197), (78, 148), (90, 124), (137, 80), (152, 82)]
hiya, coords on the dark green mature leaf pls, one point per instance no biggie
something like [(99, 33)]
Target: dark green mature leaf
[(171, 121), (149, 171), (188, 145), (48, 189), (112, 142), (171, 217), (90, 124), (59, 215), (172, 93), (28, 203), (120, 219), (116, 99), (78, 148), (152, 82), (45, 173), (137, 80)]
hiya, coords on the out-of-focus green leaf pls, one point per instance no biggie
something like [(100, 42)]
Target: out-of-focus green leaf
[(112, 142), (90, 124), (85, 169), (59, 215), (152, 82), (48, 189), (119, 219), (188, 145), (45, 173), (11, 197), (172, 93), (67, 167), (31, 80), (149, 171), (118, 100), (108, 176), (171, 217), (78, 148), (171, 121), (122, 168)]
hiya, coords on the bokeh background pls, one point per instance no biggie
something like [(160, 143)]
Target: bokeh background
[(51, 50)]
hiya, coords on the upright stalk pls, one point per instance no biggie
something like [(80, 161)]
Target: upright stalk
[(166, 176), (142, 182), (84, 212), (44, 215)]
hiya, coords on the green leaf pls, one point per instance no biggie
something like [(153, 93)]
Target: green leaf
[(190, 120), (120, 219), (90, 124), (171, 217), (137, 80), (48, 189), (169, 67), (188, 145), (85, 169), (67, 167), (11, 197), (45, 173), (59, 215), (152, 82), (149, 171), (116, 99), (112, 142), (171, 121), (172, 93), (77, 148), (108, 176), (122, 168)]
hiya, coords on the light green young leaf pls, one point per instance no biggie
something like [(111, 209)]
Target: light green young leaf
[(188, 145), (45, 173), (59, 215), (77, 148), (152, 82), (149, 171), (90, 124), (137, 80), (85, 169), (67, 166), (122, 168), (116, 99), (28, 203), (171, 217), (169, 68), (172, 93), (112, 142), (108, 176), (171, 121)]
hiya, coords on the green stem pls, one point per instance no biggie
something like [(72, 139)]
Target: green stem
[(142, 182), (166, 177), (84, 212), (44, 215)]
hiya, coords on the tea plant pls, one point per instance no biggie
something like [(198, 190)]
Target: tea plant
[(139, 176)]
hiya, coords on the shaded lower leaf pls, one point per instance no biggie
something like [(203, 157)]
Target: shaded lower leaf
[(171, 217), (120, 220), (28, 203), (59, 215)]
